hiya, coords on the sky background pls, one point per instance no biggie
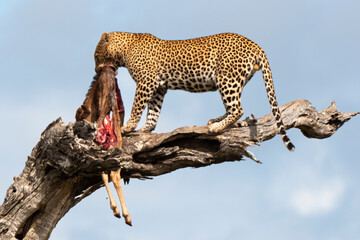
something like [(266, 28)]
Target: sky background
[(46, 50)]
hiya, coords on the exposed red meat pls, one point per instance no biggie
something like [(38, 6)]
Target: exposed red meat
[(105, 133)]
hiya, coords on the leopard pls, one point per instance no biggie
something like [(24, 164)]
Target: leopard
[(224, 62)]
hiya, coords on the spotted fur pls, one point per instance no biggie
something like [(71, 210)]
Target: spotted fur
[(223, 62)]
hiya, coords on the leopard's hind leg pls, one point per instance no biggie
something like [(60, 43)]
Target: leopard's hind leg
[(231, 101), (215, 120)]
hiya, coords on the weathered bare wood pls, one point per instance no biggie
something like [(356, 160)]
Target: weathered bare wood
[(66, 165)]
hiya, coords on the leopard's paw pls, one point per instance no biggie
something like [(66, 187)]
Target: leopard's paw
[(214, 127), (126, 129), (147, 129), (241, 124), (211, 121)]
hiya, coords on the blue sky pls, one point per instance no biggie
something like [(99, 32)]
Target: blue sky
[(47, 65)]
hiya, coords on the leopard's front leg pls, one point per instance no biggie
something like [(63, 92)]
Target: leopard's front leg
[(142, 97), (154, 108)]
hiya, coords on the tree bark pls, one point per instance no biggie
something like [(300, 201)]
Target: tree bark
[(66, 164)]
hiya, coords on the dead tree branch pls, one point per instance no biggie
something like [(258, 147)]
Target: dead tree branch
[(66, 164)]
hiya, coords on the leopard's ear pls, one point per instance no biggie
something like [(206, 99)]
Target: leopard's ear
[(104, 37)]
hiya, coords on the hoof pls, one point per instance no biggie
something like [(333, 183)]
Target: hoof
[(127, 220), (116, 212)]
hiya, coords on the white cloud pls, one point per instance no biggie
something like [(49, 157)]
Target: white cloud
[(317, 199), (315, 185)]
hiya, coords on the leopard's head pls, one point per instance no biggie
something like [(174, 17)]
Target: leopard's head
[(102, 55), (110, 51)]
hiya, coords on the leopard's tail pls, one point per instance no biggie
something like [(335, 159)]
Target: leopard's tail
[(263, 64)]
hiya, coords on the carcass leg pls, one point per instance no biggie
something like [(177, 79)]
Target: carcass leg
[(117, 124), (113, 205), (116, 177)]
